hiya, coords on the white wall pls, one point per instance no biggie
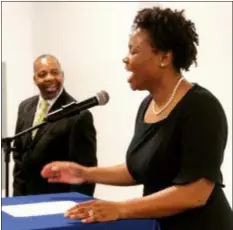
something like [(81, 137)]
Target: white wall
[(17, 52), (91, 39)]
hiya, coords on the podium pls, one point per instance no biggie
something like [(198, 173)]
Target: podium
[(59, 222)]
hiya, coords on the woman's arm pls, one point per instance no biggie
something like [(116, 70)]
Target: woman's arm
[(73, 173), (167, 202), (113, 175)]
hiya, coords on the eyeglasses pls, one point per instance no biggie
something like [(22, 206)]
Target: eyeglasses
[(53, 72)]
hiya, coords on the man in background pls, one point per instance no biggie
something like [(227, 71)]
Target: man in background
[(69, 139)]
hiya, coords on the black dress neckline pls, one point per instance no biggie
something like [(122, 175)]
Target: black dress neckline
[(142, 118)]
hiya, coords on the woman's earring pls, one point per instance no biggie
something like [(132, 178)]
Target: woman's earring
[(162, 65)]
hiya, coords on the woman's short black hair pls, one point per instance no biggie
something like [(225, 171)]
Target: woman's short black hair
[(170, 31)]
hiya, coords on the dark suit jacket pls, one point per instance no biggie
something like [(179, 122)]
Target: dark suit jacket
[(69, 139)]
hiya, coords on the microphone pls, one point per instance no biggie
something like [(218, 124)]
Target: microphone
[(74, 107)]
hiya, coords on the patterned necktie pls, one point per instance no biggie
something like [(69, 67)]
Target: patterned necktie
[(40, 115)]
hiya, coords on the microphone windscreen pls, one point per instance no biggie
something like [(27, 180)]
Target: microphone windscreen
[(102, 97)]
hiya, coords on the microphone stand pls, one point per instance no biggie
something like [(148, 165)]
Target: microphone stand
[(7, 148), (6, 143)]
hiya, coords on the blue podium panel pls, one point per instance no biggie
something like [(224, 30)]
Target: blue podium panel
[(59, 222)]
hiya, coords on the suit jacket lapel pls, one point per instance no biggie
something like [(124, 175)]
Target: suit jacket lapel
[(28, 121), (62, 100)]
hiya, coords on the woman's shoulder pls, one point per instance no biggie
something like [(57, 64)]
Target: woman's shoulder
[(200, 98)]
